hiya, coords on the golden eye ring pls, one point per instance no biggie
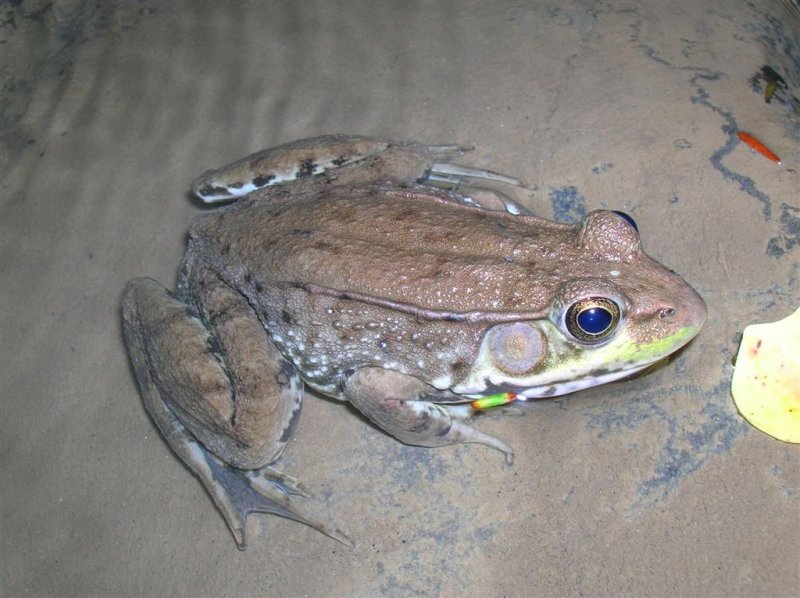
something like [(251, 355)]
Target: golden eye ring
[(592, 319)]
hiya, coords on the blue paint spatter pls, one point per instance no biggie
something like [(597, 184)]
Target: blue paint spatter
[(603, 167), (441, 540), (445, 548), (408, 467), (692, 438), (568, 204), (755, 303), (789, 237), (778, 39), (730, 128), (783, 54), (701, 98), (781, 482)]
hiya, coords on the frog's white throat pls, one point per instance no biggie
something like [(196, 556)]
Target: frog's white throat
[(552, 389)]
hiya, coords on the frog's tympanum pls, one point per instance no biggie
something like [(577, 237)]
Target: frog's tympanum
[(368, 271)]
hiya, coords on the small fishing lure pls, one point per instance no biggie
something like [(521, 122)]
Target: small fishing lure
[(503, 398), (755, 144)]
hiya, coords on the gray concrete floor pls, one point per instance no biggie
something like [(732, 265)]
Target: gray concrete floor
[(653, 486)]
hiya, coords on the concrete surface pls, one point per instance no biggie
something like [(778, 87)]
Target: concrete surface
[(653, 486)]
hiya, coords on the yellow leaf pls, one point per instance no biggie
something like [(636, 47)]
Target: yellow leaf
[(766, 380)]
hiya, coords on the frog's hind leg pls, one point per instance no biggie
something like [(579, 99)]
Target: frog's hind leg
[(338, 160), (323, 161), (197, 390), (407, 408)]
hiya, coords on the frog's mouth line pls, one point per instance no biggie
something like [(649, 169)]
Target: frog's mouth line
[(563, 388), (554, 389)]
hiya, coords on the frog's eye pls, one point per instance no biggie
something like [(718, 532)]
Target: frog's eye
[(593, 319)]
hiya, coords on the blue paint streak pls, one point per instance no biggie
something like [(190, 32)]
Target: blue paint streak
[(790, 232), (603, 167), (691, 439), (568, 204), (730, 128)]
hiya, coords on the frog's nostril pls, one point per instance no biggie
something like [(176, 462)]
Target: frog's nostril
[(666, 313)]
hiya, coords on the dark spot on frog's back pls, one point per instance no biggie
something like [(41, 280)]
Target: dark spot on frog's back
[(302, 232), (263, 180), (286, 317), (326, 247), (405, 214), (458, 368), (340, 161), (212, 191), (306, 169), (225, 249)]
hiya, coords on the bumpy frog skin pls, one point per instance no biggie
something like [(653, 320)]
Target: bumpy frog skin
[(343, 265)]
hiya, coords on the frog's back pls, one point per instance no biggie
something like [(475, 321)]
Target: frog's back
[(409, 246)]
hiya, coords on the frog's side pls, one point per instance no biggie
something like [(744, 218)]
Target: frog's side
[(400, 298)]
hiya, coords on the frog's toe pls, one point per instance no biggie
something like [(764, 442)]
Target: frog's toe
[(272, 476), (445, 153), (238, 492), (461, 432), (444, 172)]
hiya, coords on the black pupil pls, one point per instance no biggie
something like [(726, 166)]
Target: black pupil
[(595, 320)]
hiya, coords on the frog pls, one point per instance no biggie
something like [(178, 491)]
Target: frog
[(386, 275)]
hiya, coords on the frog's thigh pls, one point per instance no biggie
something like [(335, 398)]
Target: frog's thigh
[(230, 389), (404, 407), (187, 385)]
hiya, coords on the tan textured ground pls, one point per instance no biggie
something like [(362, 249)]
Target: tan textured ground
[(648, 487)]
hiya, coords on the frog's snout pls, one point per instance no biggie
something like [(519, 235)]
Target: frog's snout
[(688, 312)]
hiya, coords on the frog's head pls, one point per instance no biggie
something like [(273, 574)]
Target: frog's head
[(615, 313)]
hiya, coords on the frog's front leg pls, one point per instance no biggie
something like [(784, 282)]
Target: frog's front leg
[(339, 160), (407, 408), (221, 396)]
